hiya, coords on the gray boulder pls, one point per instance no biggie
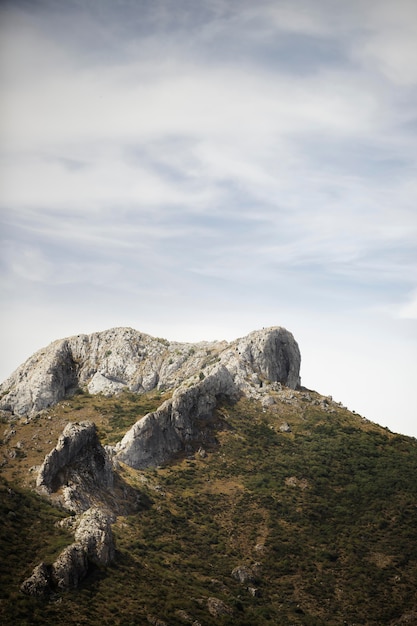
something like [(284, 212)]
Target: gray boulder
[(70, 568), (39, 582), (218, 608), (94, 534), (243, 574)]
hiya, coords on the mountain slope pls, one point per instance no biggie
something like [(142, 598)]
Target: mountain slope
[(292, 511)]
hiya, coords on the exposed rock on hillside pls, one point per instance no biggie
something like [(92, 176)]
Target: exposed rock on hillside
[(244, 574), (122, 358), (93, 545), (217, 608), (79, 464), (178, 422), (95, 536), (271, 354), (79, 469), (266, 355), (70, 568), (39, 582)]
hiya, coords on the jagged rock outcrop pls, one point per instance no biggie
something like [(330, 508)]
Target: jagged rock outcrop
[(79, 465), (39, 582), (245, 367), (93, 545), (158, 436), (244, 574), (122, 358), (218, 608), (271, 354), (78, 468), (94, 534), (69, 569)]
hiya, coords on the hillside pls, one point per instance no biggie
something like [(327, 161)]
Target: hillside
[(287, 509)]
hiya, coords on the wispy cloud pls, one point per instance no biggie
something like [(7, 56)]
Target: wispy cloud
[(409, 309), (224, 160)]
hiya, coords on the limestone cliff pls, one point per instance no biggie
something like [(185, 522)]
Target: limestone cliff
[(177, 423), (78, 468), (247, 366), (122, 358), (78, 475)]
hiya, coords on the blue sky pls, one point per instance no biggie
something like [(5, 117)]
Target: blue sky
[(197, 170)]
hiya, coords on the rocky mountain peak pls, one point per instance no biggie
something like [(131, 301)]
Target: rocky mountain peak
[(122, 358)]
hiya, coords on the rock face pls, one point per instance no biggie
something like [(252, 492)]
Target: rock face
[(39, 582), (244, 574), (122, 358), (272, 354), (243, 367), (79, 469), (158, 436), (95, 536), (217, 608), (93, 545), (69, 569), (79, 464)]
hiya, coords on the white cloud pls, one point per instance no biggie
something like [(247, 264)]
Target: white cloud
[(409, 309), (202, 173), (98, 106), (391, 42), (105, 180)]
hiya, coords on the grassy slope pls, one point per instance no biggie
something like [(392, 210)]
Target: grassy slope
[(328, 510)]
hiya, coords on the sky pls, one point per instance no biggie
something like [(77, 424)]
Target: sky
[(201, 169)]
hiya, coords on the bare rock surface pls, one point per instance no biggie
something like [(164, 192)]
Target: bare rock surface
[(247, 366), (70, 568), (79, 465), (218, 608), (271, 353), (156, 437), (94, 534), (244, 574), (93, 545), (79, 469), (123, 358), (39, 582)]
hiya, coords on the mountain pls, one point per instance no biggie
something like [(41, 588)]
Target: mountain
[(122, 358), (152, 482)]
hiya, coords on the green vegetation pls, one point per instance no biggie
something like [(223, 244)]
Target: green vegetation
[(113, 417), (328, 511), (28, 534)]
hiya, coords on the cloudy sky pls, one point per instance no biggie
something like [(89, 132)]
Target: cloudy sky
[(201, 169)]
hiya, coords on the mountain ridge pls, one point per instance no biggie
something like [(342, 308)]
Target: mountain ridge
[(123, 358)]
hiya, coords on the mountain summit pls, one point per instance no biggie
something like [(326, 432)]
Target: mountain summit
[(123, 358)]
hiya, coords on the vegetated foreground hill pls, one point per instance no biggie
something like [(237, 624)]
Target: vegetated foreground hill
[(294, 512)]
